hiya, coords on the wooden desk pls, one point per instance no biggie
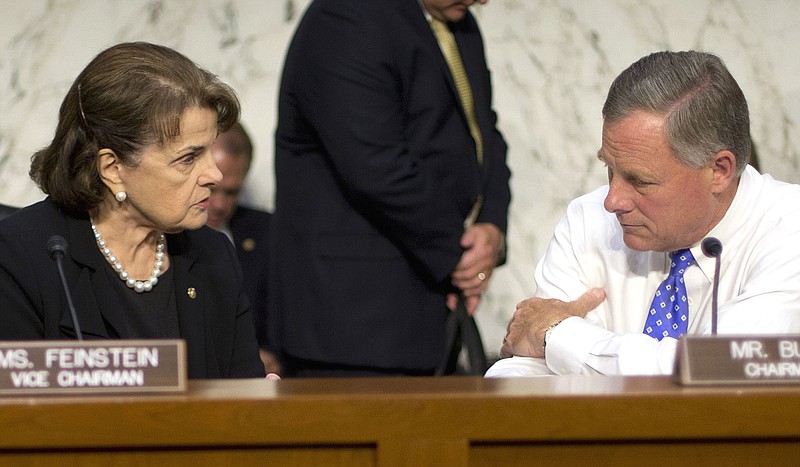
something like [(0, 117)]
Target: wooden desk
[(455, 421)]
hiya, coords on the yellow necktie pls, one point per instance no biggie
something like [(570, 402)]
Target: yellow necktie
[(450, 50)]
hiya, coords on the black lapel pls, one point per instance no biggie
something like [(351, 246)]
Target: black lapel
[(98, 308), (470, 45), (412, 11), (191, 300)]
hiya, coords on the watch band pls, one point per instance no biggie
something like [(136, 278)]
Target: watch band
[(549, 331)]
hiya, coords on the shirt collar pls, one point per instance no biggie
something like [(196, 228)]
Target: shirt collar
[(428, 16), (730, 222)]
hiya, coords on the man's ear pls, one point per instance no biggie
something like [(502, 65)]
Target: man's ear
[(108, 166), (723, 169)]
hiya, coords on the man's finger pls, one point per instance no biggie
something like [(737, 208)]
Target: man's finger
[(452, 301)]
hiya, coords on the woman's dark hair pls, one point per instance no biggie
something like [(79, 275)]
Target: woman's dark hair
[(130, 96)]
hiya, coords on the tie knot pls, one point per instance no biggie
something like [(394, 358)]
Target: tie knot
[(442, 32), (681, 259), (438, 25)]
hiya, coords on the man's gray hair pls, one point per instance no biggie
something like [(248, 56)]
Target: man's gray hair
[(705, 108)]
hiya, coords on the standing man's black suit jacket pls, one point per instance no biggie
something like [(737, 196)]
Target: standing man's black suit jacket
[(376, 172), (216, 322)]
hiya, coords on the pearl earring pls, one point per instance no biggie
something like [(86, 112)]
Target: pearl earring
[(121, 196)]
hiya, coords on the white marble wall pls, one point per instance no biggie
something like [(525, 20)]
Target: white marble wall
[(552, 62)]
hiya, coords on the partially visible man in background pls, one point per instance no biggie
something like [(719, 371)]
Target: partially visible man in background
[(247, 228)]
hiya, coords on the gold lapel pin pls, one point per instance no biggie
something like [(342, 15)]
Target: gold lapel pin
[(191, 292), (248, 244)]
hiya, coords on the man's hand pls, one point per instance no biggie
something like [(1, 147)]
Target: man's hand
[(525, 334), (482, 244)]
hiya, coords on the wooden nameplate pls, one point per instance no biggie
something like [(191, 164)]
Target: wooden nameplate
[(740, 359), (96, 366)]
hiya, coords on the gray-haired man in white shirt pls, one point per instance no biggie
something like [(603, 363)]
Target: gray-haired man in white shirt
[(676, 143)]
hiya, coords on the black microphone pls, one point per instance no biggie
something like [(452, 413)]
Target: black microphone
[(713, 249), (57, 247)]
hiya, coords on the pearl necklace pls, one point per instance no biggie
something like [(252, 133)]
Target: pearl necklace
[(139, 286)]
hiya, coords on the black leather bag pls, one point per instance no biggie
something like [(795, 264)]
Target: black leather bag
[(462, 334)]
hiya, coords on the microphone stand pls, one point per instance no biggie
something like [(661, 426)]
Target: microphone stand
[(57, 246), (712, 247)]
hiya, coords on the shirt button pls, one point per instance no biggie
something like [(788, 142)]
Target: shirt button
[(690, 301)]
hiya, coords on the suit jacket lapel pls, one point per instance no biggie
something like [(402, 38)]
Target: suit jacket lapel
[(98, 308), (413, 13), (471, 48), (191, 300), (415, 16)]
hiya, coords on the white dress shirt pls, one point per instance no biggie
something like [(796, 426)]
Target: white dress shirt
[(759, 286)]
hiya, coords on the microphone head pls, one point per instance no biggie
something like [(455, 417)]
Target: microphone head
[(711, 247), (56, 246)]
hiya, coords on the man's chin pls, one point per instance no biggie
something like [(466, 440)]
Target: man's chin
[(456, 17), (636, 243)]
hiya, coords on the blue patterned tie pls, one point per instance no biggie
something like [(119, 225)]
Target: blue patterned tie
[(669, 312)]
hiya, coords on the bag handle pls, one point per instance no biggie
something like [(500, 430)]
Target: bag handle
[(462, 331)]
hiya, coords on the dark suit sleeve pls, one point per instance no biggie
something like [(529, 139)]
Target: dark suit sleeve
[(19, 317), (357, 108)]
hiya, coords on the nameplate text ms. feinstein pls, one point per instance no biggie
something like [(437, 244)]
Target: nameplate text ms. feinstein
[(102, 366), (754, 359)]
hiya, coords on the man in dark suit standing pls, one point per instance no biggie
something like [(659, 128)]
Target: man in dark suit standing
[(392, 186), (247, 228)]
